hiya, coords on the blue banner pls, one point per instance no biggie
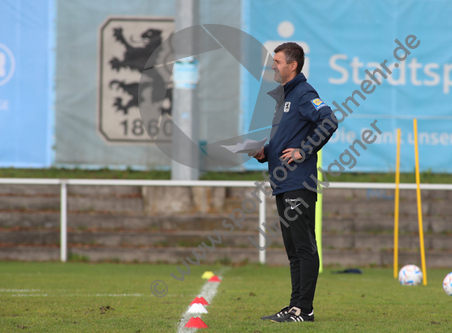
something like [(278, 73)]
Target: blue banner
[(348, 42), (26, 71)]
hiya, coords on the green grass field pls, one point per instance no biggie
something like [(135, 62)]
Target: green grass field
[(83, 297)]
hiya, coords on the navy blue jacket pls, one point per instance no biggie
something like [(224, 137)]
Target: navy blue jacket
[(299, 115)]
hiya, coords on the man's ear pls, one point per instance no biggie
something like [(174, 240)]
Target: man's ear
[(293, 66)]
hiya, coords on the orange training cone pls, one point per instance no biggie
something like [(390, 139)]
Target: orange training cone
[(203, 301), (214, 279), (196, 323), (199, 300)]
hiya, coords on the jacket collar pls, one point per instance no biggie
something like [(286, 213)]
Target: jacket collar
[(280, 92)]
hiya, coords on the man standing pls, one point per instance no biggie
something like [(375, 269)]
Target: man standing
[(301, 126)]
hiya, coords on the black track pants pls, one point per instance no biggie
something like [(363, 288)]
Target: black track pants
[(297, 208)]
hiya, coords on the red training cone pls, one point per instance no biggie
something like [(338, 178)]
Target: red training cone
[(199, 300), (203, 301), (214, 279), (196, 323)]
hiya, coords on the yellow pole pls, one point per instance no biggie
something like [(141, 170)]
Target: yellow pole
[(396, 208), (318, 215), (419, 204)]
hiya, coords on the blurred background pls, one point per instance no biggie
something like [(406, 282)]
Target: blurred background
[(64, 101), (69, 97)]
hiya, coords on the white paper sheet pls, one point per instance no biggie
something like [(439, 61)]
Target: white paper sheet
[(248, 146)]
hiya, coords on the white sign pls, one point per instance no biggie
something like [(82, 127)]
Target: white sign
[(125, 45)]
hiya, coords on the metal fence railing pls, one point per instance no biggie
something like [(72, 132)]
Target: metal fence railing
[(202, 183)]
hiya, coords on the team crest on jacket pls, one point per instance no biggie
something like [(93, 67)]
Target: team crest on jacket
[(318, 103), (287, 107)]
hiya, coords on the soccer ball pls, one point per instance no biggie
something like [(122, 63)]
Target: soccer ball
[(447, 284), (410, 275)]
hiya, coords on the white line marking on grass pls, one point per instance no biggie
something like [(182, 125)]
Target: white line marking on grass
[(118, 295), (88, 295), (83, 295), (19, 290), (208, 291)]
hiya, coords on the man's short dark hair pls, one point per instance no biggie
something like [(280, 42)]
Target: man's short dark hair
[(293, 52)]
